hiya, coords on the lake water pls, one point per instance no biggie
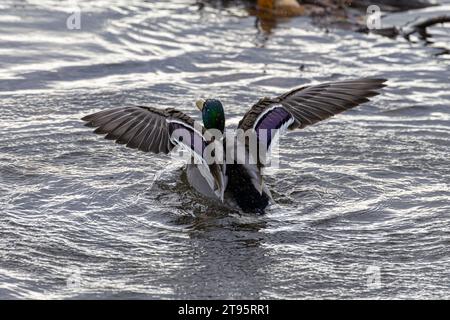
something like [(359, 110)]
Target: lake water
[(363, 200)]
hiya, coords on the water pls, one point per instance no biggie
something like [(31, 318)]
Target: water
[(364, 192)]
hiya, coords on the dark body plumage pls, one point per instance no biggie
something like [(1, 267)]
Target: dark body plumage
[(244, 193)]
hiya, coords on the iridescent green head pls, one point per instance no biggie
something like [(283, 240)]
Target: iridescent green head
[(212, 113)]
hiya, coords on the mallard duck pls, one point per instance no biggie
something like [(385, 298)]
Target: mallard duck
[(231, 181), (281, 7)]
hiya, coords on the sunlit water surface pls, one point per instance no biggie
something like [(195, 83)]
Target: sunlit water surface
[(80, 216)]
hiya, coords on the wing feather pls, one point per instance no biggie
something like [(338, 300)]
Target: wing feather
[(149, 129), (311, 104), (306, 105)]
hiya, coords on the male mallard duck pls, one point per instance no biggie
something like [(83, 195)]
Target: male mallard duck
[(241, 183)]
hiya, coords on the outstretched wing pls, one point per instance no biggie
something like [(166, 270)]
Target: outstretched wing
[(271, 117), (159, 131), (307, 105)]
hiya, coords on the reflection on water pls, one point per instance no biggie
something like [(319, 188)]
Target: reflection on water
[(366, 189)]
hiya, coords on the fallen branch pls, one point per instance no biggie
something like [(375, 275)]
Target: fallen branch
[(419, 27)]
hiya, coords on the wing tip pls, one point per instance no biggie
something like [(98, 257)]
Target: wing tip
[(379, 82), (370, 85), (87, 118)]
